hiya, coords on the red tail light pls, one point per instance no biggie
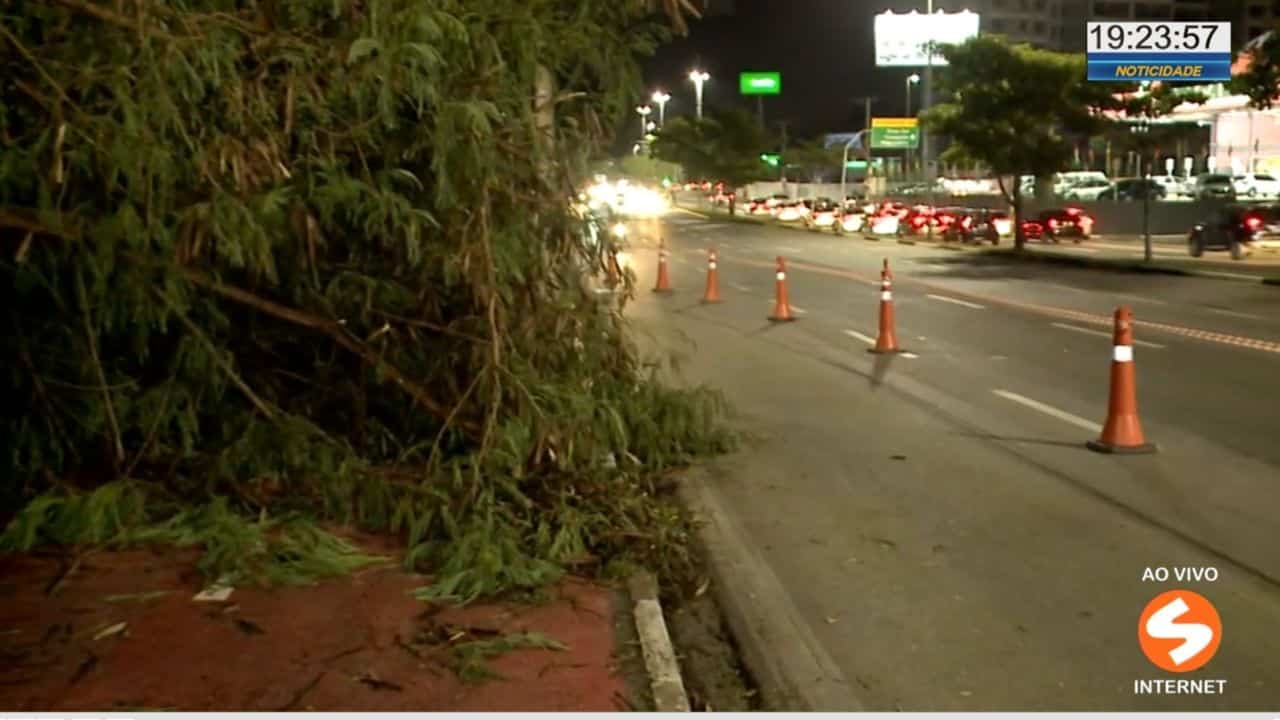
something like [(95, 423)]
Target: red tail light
[(1253, 222), (917, 221), (1073, 211), (1053, 223), (966, 222)]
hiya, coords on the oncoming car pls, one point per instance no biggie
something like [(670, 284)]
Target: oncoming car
[(824, 214), (793, 211)]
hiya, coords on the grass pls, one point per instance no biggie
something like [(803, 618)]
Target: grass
[(470, 659)]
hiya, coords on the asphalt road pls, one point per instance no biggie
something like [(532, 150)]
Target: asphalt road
[(935, 517)]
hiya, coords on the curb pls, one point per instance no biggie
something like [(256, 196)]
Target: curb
[(780, 651), (1128, 266), (655, 643)]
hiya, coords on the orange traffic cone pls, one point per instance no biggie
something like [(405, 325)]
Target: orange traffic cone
[(782, 307), (887, 340), (1123, 431), (664, 281), (713, 280)]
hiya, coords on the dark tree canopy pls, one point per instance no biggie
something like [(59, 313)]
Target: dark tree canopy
[(725, 145), (267, 263)]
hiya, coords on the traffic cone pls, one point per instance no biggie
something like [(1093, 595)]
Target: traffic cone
[(887, 340), (1122, 433), (712, 294), (664, 281), (782, 307)]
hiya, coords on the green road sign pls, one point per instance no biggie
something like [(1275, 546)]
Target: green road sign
[(760, 83), (771, 159), (895, 133)]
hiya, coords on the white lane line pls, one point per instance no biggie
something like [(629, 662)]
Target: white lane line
[(1051, 411), (1234, 313), (740, 287), (788, 248), (794, 309), (872, 341), (954, 301), (1228, 275), (1101, 333)]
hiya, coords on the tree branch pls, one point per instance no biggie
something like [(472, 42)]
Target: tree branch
[(334, 330)]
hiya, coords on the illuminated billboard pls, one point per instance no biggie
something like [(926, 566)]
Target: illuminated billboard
[(903, 39)]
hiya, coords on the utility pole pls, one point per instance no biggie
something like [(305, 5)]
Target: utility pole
[(866, 127), (926, 155), (782, 161)]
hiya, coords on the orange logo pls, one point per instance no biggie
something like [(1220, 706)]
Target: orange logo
[(1179, 631)]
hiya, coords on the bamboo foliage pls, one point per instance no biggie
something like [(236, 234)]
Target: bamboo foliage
[(312, 256)]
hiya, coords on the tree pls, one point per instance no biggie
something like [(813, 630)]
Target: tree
[(270, 264), (815, 159), (725, 145), (1013, 108), (1261, 79)]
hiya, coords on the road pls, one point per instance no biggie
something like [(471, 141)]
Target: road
[(934, 517)]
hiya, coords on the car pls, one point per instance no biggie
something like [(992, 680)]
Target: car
[(887, 218), (777, 200), (1215, 186), (1239, 229), (991, 225), (758, 206), (956, 224), (1088, 189), (1174, 186), (825, 214), (853, 217), (919, 220), (793, 211), (1064, 182), (1133, 189), (1069, 222), (1259, 185)]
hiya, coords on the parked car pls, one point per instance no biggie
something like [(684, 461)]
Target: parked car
[(1174, 186), (853, 217), (1256, 185), (1065, 182), (758, 206), (1215, 186), (1088, 189), (991, 225), (918, 220), (824, 214), (1238, 229), (1065, 222), (1134, 189), (793, 211)]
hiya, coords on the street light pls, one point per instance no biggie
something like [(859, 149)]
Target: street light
[(699, 77), (644, 111), (912, 79), (661, 98)]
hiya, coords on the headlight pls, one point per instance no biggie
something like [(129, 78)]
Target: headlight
[(620, 230)]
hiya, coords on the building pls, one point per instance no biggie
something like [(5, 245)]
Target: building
[(1038, 22)]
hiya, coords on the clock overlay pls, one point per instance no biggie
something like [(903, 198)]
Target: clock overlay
[(1191, 52)]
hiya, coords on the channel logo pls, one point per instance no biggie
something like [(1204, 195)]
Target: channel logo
[(1179, 631)]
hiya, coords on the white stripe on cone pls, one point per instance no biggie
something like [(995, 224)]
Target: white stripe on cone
[(1123, 353), (711, 265), (782, 276), (886, 296)]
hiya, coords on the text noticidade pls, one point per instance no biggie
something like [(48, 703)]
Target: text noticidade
[(1158, 70)]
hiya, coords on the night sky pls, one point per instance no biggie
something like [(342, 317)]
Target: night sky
[(823, 48)]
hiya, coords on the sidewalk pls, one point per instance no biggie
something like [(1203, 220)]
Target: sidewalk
[(122, 633)]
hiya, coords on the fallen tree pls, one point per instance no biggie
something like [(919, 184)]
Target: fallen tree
[(278, 262)]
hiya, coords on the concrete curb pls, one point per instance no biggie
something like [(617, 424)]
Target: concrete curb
[(785, 659), (655, 643), (1129, 266)]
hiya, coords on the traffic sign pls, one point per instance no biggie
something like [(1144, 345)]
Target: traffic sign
[(895, 133), (760, 83)]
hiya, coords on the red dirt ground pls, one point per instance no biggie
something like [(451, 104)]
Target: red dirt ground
[(350, 644)]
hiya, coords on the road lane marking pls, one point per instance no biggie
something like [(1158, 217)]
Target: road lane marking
[(1270, 346), (1100, 333), (794, 309), (740, 287), (872, 341), (1228, 275), (1234, 313), (789, 248), (1051, 411), (954, 301)]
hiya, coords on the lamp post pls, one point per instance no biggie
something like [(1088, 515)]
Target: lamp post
[(661, 99), (912, 79), (644, 111), (699, 77)]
